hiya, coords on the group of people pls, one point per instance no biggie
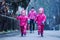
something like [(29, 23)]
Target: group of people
[(35, 17)]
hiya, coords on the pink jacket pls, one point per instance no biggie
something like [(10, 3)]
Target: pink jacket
[(23, 20), (40, 18), (32, 14)]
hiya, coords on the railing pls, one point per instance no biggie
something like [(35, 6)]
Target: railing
[(8, 23)]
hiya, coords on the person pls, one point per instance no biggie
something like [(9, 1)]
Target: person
[(23, 22), (40, 19), (32, 15)]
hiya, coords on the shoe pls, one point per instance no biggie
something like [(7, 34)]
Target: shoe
[(21, 34), (38, 33), (41, 35)]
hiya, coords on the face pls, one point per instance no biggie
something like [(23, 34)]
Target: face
[(23, 12), (32, 10), (40, 10)]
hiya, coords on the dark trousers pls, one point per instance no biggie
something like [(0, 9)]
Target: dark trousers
[(32, 25)]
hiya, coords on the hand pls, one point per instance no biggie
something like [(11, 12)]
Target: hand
[(28, 19), (25, 27), (35, 21), (42, 22)]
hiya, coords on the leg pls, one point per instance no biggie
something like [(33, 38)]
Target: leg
[(21, 27), (30, 26), (25, 29), (21, 33), (33, 25), (39, 29), (42, 29)]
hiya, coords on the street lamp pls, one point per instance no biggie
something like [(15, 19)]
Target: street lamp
[(54, 21)]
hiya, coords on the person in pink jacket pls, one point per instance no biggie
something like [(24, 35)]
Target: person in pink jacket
[(40, 19), (23, 22), (32, 15)]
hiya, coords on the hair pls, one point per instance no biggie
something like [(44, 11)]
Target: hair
[(32, 7), (23, 8)]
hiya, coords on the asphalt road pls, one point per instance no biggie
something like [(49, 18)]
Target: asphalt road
[(48, 35)]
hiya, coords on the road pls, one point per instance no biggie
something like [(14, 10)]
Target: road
[(48, 35)]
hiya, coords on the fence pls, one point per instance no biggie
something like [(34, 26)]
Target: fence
[(8, 23)]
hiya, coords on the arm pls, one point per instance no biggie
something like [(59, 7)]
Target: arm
[(18, 17), (44, 19), (36, 18)]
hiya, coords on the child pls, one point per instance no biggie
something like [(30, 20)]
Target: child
[(23, 22), (40, 19), (32, 15)]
